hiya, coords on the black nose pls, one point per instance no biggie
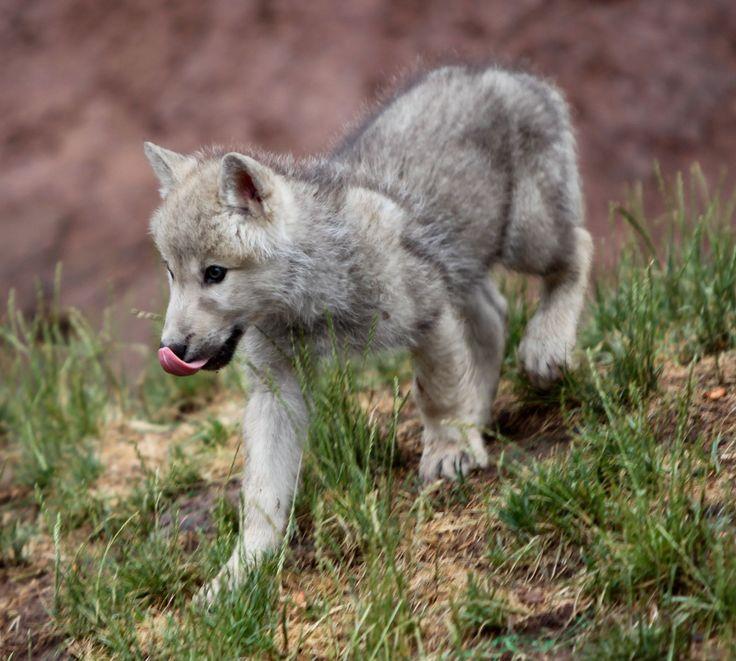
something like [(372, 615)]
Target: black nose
[(180, 350)]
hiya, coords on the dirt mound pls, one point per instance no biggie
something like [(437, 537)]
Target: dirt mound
[(85, 83)]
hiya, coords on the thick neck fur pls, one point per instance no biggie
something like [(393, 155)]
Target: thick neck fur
[(332, 269)]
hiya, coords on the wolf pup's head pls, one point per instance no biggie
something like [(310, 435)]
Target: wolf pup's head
[(222, 231)]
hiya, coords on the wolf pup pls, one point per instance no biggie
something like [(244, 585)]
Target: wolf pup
[(388, 240)]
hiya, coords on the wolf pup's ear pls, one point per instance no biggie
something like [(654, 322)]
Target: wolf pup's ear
[(245, 183), (169, 166)]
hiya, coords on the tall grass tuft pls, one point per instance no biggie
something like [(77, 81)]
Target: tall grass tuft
[(348, 495), (56, 387), (347, 478)]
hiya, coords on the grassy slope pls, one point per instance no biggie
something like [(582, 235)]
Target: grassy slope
[(605, 527)]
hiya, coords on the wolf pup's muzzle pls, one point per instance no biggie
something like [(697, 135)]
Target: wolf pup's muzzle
[(178, 367)]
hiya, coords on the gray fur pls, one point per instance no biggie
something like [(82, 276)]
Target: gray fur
[(390, 238)]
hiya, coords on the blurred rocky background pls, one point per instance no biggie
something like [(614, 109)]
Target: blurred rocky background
[(84, 82)]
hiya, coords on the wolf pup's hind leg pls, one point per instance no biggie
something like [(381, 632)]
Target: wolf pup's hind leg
[(546, 237), (548, 342)]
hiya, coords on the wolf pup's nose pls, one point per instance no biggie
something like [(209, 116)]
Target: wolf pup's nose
[(179, 350)]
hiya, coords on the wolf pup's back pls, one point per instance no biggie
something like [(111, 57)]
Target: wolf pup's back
[(486, 160)]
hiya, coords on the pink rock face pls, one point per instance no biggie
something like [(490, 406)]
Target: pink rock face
[(176, 366)]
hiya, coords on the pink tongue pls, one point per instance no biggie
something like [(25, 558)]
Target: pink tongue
[(175, 365)]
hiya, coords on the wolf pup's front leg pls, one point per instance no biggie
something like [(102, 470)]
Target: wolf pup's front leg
[(273, 430)]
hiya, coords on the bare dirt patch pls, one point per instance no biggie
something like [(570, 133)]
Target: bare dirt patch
[(26, 630)]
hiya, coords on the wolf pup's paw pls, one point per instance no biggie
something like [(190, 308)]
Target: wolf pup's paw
[(227, 580), (545, 356), (450, 460), (208, 593)]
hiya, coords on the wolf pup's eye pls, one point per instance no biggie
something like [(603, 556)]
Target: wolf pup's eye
[(214, 274)]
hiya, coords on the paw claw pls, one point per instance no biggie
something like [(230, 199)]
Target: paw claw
[(227, 579), (205, 596), (448, 461)]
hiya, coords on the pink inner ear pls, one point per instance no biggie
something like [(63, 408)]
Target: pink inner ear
[(246, 186)]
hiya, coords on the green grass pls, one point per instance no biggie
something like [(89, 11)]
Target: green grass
[(347, 480), (56, 387), (628, 499), (135, 567), (480, 612), (632, 505), (14, 537), (628, 525), (640, 640), (348, 495)]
